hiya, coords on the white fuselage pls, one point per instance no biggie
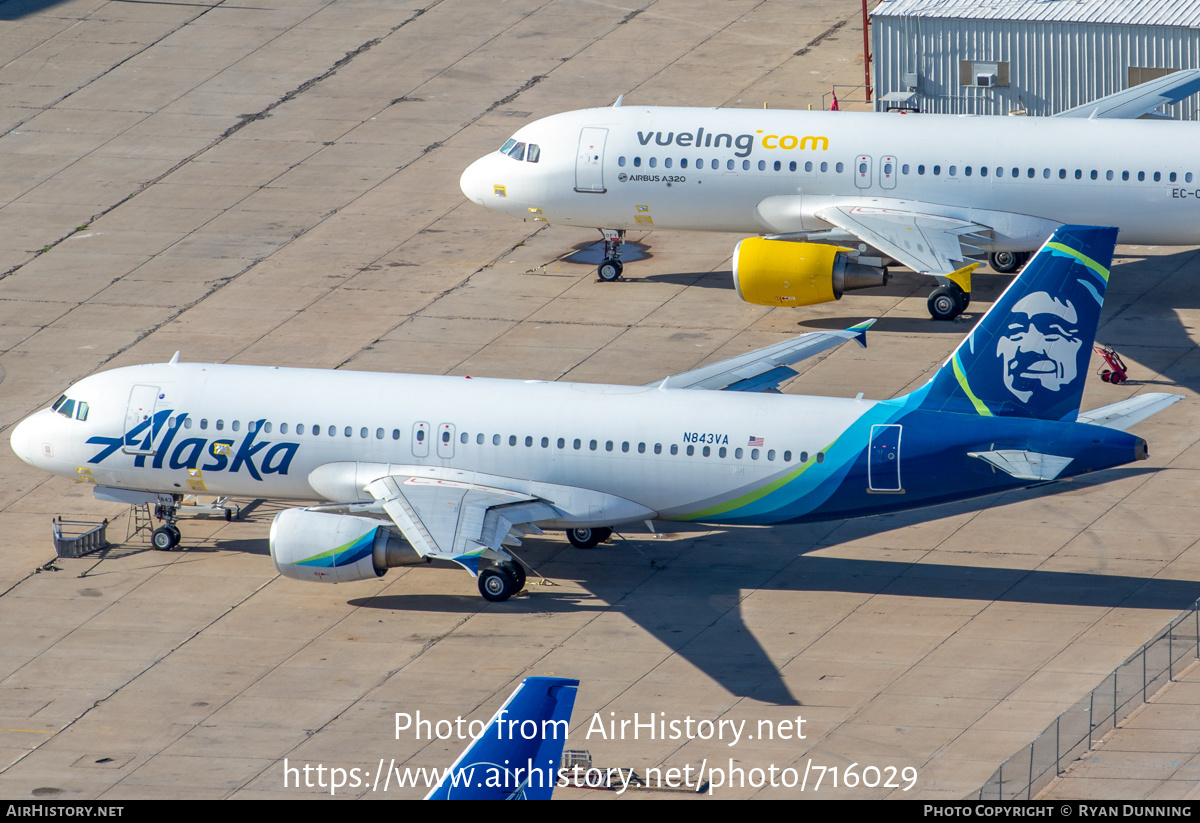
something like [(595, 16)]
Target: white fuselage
[(262, 431), (769, 171)]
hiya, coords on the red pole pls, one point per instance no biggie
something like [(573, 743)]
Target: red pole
[(866, 50)]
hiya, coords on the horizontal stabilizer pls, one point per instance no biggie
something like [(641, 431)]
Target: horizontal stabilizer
[(765, 369), (1122, 415), (1024, 465)]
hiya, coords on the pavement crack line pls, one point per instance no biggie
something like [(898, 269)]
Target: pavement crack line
[(243, 121)]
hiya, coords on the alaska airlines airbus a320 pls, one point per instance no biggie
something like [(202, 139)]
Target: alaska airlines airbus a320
[(419, 467), (839, 195)]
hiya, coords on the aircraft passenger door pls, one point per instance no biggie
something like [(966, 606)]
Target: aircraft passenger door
[(862, 171), (883, 461), (445, 441), (142, 400), (887, 172), (589, 165), (420, 441)]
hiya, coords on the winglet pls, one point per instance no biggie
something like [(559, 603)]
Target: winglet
[(860, 331), (174, 360), (620, 99), (501, 765), (962, 277)]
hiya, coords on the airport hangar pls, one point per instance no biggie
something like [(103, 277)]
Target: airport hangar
[(1027, 57), (301, 160)]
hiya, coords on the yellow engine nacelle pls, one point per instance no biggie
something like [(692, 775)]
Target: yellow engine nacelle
[(784, 273)]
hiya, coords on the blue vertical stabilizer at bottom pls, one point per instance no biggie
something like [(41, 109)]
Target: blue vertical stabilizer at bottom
[(517, 756), (1028, 356)]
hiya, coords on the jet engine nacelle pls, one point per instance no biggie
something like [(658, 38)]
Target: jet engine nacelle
[(784, 273), (336, 548)]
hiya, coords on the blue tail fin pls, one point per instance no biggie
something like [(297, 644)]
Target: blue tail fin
[(1028, 356), (517, 756)]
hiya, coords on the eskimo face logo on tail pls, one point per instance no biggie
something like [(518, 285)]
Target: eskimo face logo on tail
[(156, 438), (1028, 356), (1039, 348)]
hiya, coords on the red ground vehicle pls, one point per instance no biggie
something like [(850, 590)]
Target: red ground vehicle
[(1116, 371)]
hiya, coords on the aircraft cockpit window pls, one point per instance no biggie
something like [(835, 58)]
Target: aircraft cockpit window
[(535, 153), (62, 399), (82, 411), (67, 409), (514, 149)]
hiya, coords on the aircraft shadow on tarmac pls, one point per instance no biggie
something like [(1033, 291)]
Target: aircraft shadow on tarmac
[(687, 593)]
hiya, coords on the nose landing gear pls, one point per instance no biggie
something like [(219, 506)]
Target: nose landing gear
[(611, 267), (166, 536)]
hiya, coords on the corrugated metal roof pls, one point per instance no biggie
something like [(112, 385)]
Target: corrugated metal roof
[(1181, 13)]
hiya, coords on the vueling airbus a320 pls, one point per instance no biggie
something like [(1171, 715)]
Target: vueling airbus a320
[(841, 194), (420, 467)]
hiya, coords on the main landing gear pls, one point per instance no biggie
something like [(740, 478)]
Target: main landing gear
[(166, 536), (501, 581), (1007, 262), (948, 302), (587, 538), (611, 267)]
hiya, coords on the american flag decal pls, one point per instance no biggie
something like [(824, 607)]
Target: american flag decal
[(755, 441)]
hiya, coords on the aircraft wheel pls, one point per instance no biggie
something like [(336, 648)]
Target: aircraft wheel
[(587, 538), (517, 572), (1005, 262), (165, 538), (944, 304), (610, 270), (496, 584)]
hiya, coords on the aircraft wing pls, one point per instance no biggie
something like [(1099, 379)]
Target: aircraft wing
[(1126, 413), (764, 369), (459, 521), (926, 243), (480, 773), (1142, 99)]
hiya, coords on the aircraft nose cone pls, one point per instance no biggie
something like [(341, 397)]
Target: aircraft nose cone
[(474, 182), (26, 440)]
